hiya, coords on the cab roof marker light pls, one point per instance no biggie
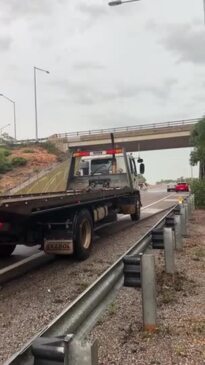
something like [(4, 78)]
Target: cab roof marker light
[(81, 154)]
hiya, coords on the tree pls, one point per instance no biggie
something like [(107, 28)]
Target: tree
[(198, 140)]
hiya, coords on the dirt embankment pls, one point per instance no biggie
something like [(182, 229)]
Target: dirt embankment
[(37, 158)]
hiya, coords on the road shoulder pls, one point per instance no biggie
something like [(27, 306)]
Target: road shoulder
[(180, 336)]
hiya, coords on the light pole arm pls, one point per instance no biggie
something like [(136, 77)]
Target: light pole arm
[(41, 69), (6, 97), (120, 2), (5, 126), (14, 106)]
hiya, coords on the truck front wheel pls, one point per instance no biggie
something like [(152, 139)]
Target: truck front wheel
[(136, 216), (6, 250), (83, 234)]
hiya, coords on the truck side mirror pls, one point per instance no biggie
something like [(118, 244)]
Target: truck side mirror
[(142, 168)]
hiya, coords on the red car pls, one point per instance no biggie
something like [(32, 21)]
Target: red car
[(182, 186)]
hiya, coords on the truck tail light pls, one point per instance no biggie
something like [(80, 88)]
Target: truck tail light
[(94, 153), (1, 226)]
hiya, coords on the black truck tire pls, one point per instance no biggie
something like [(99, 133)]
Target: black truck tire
[(6, 250), (83, 234), (136, 216)]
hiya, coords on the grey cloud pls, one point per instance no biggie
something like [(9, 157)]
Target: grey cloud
[(5, 42), (88, 66), (164, 90), (92, 10), (84, 93), (16, 8), (187, 42)]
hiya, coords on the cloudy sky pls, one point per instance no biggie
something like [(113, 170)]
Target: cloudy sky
[(109, 66)]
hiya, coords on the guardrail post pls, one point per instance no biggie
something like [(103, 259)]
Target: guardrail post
[(193, 195), (178, 232), (192, 202), (189, 207), (183, 221), (169, 250), (79, 353), (67, 340), (186, 212), (148, 292)]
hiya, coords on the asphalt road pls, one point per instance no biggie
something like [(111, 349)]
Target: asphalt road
[(153, 201)]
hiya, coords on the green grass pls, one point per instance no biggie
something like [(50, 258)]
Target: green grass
[(53, 181), (199, 252), (112, 309), (5, 151)]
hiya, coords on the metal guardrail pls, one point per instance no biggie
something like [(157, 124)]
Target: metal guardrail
[(81, 315)]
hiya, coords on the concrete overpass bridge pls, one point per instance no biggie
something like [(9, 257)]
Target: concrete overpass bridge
[(175, 134)]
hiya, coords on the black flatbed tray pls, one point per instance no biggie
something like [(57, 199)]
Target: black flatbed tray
[(32, 204)]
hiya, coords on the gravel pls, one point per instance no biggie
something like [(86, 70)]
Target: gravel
[(29, 303), (180, 335)]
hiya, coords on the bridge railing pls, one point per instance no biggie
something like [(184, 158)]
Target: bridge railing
[(126, 129), (72, 135)]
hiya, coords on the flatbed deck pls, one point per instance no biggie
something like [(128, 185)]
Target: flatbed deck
[(30, 204)]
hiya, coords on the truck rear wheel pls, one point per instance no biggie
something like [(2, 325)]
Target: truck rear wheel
[(83, 234), (136, 216), (6, 250)]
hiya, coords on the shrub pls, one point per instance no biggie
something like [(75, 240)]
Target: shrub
[(50, 147), (5, 152), (28, 151), (5, 165), (198, 188), (18, 161)]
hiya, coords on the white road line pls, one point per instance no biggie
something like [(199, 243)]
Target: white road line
[(150, 211), (153, 210), (150, 205), (173, 200)]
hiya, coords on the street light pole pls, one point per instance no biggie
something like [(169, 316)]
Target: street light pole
[(204, 9), (35, 98), (120, 2), (14, 106)]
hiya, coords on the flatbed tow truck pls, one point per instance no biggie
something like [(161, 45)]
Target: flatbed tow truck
[(100, 185)]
